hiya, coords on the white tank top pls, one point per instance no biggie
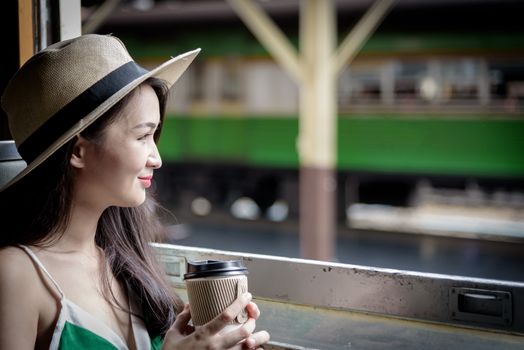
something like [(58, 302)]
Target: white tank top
[(78, 329)]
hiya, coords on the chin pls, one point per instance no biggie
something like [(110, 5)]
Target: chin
[(139, 202), (134, 201)]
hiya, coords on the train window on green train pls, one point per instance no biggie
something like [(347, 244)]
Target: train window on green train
[(216, 87), (239, 86), (197, 82), (407, 79), (231, 84), (507, 83), (360, 84), (268, 89), (460, 80), (454, 85)]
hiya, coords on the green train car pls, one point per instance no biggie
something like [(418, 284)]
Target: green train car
[(444, 109)]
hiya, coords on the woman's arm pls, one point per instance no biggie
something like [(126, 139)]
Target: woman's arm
[(18, 301)]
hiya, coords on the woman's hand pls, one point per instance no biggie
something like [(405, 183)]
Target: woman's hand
[(182, 336)]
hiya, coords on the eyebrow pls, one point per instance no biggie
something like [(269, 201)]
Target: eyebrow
[(146, 125)]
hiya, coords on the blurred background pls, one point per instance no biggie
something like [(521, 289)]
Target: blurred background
[(428, 170)]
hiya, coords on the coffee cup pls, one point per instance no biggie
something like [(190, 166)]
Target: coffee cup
[(212, 286)]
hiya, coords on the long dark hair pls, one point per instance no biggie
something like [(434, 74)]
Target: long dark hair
[(36, 210)]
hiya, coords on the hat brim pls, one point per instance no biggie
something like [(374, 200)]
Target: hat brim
[(169, 71)]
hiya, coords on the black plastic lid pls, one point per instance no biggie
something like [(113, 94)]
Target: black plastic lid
[(212, 268)]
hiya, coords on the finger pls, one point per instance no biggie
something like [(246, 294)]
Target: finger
[(182, 319), (234, 337), (229, 314), (252, 310), (257, 339), (178, 329)]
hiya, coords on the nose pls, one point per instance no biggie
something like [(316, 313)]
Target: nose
[(154, 160)]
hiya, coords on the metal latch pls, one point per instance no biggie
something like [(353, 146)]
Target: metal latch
[(175, 266), (480, 306)]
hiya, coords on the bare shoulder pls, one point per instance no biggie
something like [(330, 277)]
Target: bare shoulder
[(16, 270), (14, 262), (19, 300)]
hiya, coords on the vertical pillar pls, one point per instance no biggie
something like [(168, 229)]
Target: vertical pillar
[(317, 130), (26, 33), (70, 19), (315, 70)]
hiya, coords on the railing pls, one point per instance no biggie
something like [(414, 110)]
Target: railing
[(310, 304)]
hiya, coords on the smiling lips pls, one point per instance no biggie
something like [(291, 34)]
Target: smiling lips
[(146, 180)]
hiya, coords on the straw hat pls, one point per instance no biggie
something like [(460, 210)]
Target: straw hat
[(64, 88)]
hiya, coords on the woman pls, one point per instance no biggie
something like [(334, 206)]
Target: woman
[(76, 270)]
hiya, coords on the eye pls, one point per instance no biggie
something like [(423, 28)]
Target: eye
[(145, 136)]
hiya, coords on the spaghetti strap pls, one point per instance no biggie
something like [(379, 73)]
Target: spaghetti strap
[(39, 263)]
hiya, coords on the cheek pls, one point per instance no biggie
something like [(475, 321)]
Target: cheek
[(118, 165), (131, 161)]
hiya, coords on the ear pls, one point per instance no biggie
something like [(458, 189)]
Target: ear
[(78, 157)]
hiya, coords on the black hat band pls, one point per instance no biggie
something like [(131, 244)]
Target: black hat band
[(78, 108)]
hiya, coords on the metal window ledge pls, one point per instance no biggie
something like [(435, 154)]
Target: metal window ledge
[(308, 304)]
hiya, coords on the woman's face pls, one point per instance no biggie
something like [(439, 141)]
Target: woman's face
[(119, 168)]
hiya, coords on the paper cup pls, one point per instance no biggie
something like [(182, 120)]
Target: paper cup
[(212, 286)]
